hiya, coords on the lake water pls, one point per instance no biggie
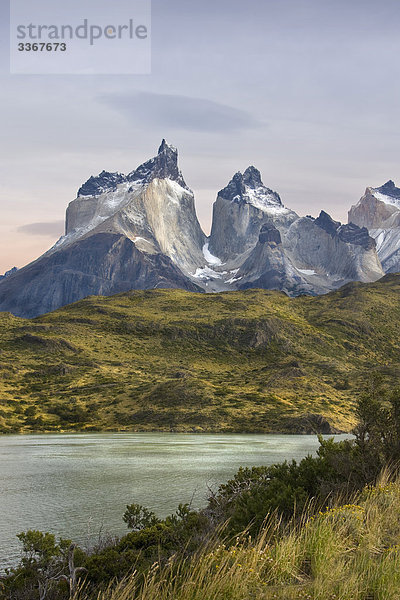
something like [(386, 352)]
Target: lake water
[(78, 485)]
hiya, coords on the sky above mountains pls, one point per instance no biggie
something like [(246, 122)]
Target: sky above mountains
[(306, 90)]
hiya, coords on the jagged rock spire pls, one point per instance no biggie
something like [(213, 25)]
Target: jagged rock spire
[(242, 185), (162, 166), (252, 178)]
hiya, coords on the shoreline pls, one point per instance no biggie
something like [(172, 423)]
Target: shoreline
[(177, 431)]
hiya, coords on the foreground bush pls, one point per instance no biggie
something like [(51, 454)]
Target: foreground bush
[(346, 552)]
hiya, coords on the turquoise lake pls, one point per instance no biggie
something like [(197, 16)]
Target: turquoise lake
[(78, 485)]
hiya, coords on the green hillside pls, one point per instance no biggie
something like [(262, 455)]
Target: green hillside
[(172, 360)]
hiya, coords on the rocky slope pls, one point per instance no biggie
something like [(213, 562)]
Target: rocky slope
[(379, 211), (140, 231), (8, 273)]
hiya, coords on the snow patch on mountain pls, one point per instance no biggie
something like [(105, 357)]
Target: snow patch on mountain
[(207, 273), (307, 271), (263, 199), (233, 280), (210, 258), (386, 199)]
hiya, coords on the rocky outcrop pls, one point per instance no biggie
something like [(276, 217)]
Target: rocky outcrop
[(122, 232), (314, 256), (374, 210), (152, 206), (379, 211), (8, 273), (358, 236), (105, 182), (269, 267), (309, 424), (390, 190), (269, 234), (162, 166)]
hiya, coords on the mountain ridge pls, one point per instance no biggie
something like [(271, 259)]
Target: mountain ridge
[(152, 210)]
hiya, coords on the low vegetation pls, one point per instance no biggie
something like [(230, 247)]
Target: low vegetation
[(169, 360), (325, 528), (345, 552)]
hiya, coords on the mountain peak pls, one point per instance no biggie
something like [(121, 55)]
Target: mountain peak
[(325, 222), (162, 166), (252, 178), (248, 188), (350, 233), (165, 147), (389, 189)]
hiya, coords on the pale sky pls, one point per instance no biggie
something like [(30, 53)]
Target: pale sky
[(308, 91)]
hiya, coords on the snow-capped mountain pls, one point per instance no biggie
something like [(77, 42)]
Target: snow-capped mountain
[(152, 206), (379, 211), (140, 231), (240, 210)]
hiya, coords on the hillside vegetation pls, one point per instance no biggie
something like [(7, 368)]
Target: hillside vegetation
[(177, 361)]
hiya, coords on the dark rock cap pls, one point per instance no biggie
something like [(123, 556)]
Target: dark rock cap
[(269, 233), (389, 189), (162, 166), (104, 182), (251, 178), (350, 234), (326, 223)]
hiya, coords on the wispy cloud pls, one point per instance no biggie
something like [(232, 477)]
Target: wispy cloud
[(180, 112), (51, 229)]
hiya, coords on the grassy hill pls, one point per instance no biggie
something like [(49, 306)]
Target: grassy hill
[(172, 360)]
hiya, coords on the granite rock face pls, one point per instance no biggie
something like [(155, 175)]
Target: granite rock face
[(269, 234), (141, 231), (101, 264), (122, 232), (240, 210), (379, 211), (313, 257)]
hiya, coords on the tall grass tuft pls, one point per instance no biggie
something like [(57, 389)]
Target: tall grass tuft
[(344, 552)]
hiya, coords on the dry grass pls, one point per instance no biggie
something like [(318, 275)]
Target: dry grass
[(349, 552), (164, 360)]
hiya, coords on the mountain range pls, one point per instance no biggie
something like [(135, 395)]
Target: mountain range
[(141, 231)]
